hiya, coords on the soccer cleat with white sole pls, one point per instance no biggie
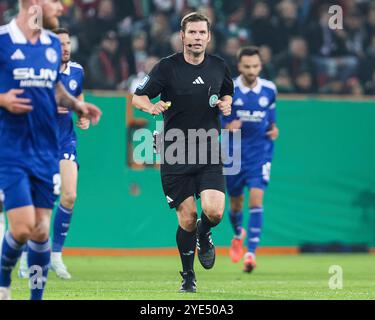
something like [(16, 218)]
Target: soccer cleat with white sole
[(205, 248), (189, 282), (5, 293), (249, 263), (58, 266), (236, 247)]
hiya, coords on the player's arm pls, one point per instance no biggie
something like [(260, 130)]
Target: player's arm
[(273, 131), (14, 104), (230, 122), (83, 123), (143, 103), (66, 100)]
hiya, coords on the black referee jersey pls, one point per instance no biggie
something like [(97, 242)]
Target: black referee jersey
[(192, 89)]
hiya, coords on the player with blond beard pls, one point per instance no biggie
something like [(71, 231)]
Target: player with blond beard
[(30, 90)]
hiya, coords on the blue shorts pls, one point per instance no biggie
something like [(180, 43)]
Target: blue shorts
[(257, 177), (68, 151), (22, 187)]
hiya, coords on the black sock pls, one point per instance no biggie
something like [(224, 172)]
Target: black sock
[(206, 224), (186, 243)]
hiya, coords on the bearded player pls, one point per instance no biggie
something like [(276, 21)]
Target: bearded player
[(254, 113), (30, 90), (72, 76)]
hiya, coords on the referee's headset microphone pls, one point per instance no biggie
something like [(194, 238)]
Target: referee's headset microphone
[(188, 45)]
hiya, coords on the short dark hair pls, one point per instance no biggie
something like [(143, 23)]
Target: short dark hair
[(248, 51), (194, 17), (61, 31)]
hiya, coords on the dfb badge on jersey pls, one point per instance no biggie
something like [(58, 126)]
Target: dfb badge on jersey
[(213, 100)]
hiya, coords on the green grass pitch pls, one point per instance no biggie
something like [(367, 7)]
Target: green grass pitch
[(148, 278)]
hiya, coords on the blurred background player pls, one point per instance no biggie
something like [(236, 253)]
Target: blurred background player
[(199, 86), (253, 112), (72, 76), (30, 89)]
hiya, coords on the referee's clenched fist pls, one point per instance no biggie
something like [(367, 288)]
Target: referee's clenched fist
[(225, 106)]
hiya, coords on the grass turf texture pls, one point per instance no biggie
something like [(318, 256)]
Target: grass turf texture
[(148, 278)]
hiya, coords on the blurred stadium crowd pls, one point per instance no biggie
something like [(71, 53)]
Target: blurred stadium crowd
[(118, 41)]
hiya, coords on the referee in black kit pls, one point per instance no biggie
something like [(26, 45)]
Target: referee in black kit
[(195, 88)]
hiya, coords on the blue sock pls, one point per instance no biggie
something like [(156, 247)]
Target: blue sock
[(254, 228), (38, 258), (61, 227), (11, 251), (236, 219)]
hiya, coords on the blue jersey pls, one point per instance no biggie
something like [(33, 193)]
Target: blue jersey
[(255, 108), (72, 78), (30, 140)]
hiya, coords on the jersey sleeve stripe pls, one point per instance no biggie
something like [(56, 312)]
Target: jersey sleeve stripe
[(269, 84), (75, 65)]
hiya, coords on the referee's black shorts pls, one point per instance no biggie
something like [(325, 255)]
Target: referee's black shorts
[(179, 187)]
